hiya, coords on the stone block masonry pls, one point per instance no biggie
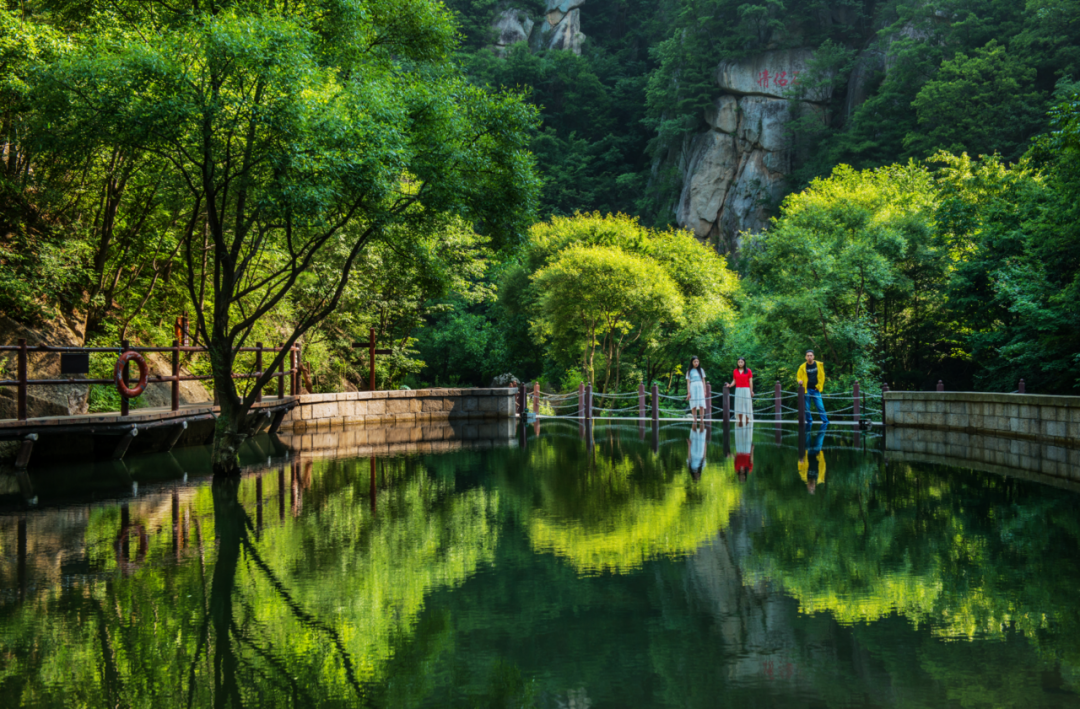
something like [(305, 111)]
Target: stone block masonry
[(1053, 420), (316, 413)]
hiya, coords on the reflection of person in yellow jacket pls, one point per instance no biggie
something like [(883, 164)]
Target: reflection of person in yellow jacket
[(811, 375), (812, 462)]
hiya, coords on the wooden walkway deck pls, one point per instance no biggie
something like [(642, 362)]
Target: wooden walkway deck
[(112, 435)]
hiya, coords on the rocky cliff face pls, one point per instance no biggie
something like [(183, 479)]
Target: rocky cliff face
[(735, 171), (559, 28)]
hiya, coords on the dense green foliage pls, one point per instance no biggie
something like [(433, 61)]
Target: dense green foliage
[(962, 270), (278, 170), (917, 272), (957, 267), (605, 289)]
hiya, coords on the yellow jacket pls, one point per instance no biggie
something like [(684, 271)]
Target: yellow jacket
[(804, 467), (801, 377)]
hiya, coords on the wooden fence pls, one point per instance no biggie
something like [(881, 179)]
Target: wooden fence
[(23, 351)]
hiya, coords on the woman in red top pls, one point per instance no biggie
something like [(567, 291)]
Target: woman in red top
[(743, 382)]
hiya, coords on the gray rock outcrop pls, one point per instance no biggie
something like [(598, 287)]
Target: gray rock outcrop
[(735, 172), (511, 26), (865, 75), (559, 28), (775, 74)]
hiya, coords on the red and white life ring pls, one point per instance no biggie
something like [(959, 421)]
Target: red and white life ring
[(118, 375)]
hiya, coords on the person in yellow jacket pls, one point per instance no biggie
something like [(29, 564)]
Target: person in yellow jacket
[(811, 375), (812, 462)]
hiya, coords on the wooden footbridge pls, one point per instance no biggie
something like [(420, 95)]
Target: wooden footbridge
[(112, 435), (854, 408)]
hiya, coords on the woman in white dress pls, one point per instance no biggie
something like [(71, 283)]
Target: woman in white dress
[(743, 382), (695, 390)]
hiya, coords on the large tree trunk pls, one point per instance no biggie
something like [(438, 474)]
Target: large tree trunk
[(230, 430)]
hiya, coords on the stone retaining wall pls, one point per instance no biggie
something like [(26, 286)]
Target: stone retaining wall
[(319, 412), (1015, 457), (1046, 419)]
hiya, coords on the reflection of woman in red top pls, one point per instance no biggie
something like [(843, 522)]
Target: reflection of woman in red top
[(743, 381), (744, 451), (744, 465)]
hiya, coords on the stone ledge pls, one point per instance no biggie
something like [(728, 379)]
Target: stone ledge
[(985, 398), (404, 402)]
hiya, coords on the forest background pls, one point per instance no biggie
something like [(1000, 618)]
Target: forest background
[(931, 235)]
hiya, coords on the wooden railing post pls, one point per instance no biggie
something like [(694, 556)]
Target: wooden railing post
[(175, 375), (656, 403), (588, 401), (855, 410), (258, 371), (521, 400), (20, 406), (294, 376), (581, 400), (708, 400), (125, 405), (536, 398), (776, 401), (641, 400), (281, 373), (371, 361), (801, 396), (299, 368)]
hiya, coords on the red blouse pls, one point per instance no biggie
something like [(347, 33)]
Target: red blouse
[(743, 460), (743, 379)]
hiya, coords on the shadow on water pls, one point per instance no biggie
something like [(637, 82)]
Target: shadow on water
[(555, 564)]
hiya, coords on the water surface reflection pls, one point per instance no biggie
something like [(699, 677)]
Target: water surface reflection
[(572, 567)]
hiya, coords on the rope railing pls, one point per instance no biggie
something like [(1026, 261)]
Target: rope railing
[(849, 408)]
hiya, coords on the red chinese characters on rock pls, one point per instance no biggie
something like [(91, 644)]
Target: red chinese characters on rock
[(779, 79)]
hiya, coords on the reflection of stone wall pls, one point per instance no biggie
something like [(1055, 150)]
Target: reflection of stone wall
[(1047, 419), (316, 413), (992, 454), (432, 437)]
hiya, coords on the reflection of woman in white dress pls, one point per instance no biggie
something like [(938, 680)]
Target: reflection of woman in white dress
[(695, 390), (744, 451), (695, 458), (743, 382)]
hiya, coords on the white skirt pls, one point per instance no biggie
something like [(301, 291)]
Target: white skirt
[(697, 394), (744, 405)]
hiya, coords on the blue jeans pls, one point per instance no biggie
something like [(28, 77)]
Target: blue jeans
[(813, 398)]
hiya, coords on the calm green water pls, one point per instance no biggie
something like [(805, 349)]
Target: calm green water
[(551, 574)]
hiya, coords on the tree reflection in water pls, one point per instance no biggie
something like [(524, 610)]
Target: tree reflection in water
[(555, 574)]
